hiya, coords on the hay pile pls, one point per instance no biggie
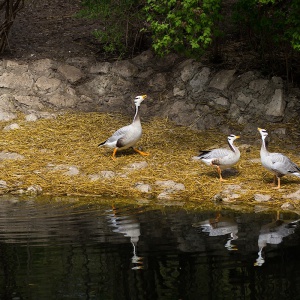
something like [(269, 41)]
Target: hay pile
[(51, 146)]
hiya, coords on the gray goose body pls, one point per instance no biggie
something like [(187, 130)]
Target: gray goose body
[(127, 136), (222, 158), (277, 163)]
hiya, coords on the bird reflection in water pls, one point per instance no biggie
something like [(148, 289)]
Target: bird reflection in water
[(221, 226), (273, 234), (129, 226)]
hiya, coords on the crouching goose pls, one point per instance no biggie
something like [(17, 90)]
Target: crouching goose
[(127, 136), (277, 163), (222, 158)]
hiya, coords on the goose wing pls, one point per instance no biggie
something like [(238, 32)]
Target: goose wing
[(215, 156), (121, 132), (282, 164), (215, 153)]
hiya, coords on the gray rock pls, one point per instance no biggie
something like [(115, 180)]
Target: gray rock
[(158, 82), (222, 79), (6, 116), (48, 85), (94, 177), (3, 184), (287, 206), (61, 100), (144, 58), (275, 109), (13, 126), (7, 103), (242, 100), (10, 155), (103, 174), (178, 92), (262, 198), (164, 196), (34, 190), (16, 81), (100, 85), (189, 69), (107, 174), (258, 85), (71, 73), (15, 66), (221, 101), (42, 65), (199, 81), (72, 171), (293, 196), (170, 185), (100, 68), (143, 187), (31, 117), (137, 165), (124, 68), (31, 102)]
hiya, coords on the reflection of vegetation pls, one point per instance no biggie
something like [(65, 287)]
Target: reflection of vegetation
[(9, 272), (80, 256)]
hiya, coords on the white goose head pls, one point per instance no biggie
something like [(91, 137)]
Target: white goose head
[(139, 99), (263, 133), (232, 138)]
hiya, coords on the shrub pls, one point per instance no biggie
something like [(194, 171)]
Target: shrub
[(122, 22)]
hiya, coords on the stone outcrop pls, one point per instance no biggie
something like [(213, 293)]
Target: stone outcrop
[(186, 91)]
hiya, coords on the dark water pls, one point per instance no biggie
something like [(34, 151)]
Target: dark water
[(69, 250)]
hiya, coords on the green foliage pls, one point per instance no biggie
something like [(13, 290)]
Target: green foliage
[(272, 23), (186, 26), (122, 22), (190, 27)]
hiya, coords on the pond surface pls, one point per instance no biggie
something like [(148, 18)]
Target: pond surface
[(67, 249)]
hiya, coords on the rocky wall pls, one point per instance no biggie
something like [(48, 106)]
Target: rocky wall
[(185, 91)]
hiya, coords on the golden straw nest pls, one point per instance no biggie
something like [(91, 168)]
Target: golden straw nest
[(52, 146)]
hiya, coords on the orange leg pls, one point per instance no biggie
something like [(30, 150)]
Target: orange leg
[(278, 179), (220, 173), (114, 154), (141, 152)]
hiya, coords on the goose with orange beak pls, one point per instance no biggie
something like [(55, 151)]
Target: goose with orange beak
[(127, 136)]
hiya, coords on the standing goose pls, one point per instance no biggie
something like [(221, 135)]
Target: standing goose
[(277, 163), (127, 136), (222, 158)]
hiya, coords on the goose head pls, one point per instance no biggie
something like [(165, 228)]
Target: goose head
[(139, 99), (263, 133), (232, 138)]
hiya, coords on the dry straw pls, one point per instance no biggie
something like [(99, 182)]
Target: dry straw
[(52, 146)]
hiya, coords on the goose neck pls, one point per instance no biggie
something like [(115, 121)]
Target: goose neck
[(136, 115), (231, 146)]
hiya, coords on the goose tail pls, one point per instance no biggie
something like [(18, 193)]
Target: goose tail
[(102, 144), (296, 174)]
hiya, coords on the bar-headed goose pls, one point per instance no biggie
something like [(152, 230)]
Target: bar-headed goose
[(222, 158), (127, 136), (277, 163)]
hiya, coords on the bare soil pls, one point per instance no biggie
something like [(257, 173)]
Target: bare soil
[(50, 29)]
